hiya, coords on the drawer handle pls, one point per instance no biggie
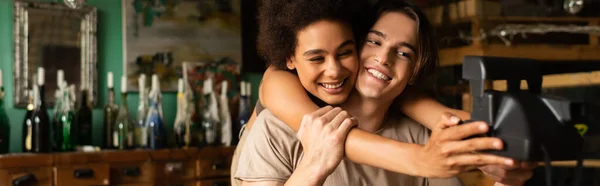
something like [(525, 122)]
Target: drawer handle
[(132, 172), (83, 173), (218, 166), (220, 183), (27, 179)]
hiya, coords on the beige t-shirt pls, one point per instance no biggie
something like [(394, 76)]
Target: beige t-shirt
[(272, 152)]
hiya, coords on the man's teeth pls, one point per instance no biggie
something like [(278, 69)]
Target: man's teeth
[(332, 86), (378, 74)]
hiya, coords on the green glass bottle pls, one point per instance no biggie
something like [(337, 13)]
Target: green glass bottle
[(64, 128), (123, 128), (110, 113), (4, 122)]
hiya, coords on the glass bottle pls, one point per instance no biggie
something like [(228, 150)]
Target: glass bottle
[(180, 127), (4, 122), (210, 119), (140, 129), (57, 106), (110, 112), (154, 122), (27, 136), (123, 129), (65, 128), (41, 142), (84, 121)]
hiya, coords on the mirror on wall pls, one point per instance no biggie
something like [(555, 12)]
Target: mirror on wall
[(54, 36)]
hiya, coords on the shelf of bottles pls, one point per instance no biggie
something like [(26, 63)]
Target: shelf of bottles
[(69, 127)]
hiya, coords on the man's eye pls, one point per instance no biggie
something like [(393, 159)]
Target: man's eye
[(373, 42), (316, 59)]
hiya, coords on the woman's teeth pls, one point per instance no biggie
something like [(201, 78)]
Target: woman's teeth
[(332, 86), (378, 74)]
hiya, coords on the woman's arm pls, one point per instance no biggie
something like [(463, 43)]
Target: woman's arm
[(282, 93), (424, 109)]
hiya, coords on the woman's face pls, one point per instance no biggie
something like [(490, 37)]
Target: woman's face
[(326, 60), (388, 57)]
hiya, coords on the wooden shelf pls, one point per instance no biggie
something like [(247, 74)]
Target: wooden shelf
[(560, 81), (455, 56), (588, 163)]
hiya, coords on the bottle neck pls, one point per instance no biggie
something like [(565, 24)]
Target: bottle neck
[(111, 96), (41, 93), (124, 99), (84, 100)]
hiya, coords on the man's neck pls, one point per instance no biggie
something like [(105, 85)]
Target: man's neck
[(370, 113)]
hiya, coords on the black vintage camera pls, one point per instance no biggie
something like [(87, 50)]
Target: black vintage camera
[(533, 127)]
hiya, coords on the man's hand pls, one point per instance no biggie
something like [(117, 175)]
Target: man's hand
[(515, 175), (446, 153), (323, 136)]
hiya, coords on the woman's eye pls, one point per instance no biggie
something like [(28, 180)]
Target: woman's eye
[(344, 53)]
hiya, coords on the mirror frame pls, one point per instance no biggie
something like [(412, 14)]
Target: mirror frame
[(88, 47)]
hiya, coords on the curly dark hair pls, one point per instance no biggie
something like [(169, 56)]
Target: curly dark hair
[(280, 20)]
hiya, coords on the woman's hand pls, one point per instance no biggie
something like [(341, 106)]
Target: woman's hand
[(323, 136)]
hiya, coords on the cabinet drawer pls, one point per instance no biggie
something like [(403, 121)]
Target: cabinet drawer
[(214, 182), (175, 171), (130, 173), (83, 174), (214, 166), (29, 176)]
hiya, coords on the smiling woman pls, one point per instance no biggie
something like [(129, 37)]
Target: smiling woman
[(327, 59)]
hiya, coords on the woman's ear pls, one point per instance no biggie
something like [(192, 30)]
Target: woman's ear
[(290, 64)]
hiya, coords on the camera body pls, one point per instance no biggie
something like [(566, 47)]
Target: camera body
[(530, 125)]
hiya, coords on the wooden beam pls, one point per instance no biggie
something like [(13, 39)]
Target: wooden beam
[(454, 56), (560, 80)]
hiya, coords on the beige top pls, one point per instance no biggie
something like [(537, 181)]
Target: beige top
[(272, 151)]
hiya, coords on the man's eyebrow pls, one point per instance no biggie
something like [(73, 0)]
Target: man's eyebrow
[(407, 45), (380, 34)]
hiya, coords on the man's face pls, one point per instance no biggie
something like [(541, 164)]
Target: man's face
[(388, 57)]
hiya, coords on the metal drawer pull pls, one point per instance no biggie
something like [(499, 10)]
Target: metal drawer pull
[(28, 179), (132, 172), (83, 173), (220, 183)]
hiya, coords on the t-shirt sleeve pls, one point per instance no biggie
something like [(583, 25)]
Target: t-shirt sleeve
[(271, 151)]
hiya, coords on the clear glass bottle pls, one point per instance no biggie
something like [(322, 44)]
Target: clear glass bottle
[(154, 122), (210, 119), (141, 129)]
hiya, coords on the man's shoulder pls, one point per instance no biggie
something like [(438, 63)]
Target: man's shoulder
[(403, 128), (268, 124)]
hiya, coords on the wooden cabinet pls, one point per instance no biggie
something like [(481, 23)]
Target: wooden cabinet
[(26, 169), (80, 169), (177, 167)]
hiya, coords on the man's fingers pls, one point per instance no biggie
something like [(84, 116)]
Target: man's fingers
[(471, 145), (478, 159), (448, 120), (463, 131)]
